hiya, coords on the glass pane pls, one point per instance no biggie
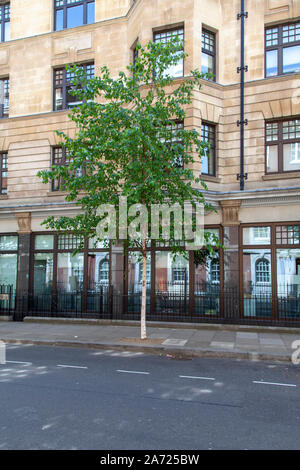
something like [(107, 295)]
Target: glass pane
[(287, 234), (291, 59), (90, 13), (257, 236), (271, 131), (175, 70), (207, 163), (291, 33), (272, 158), (70, 272), (8, 270), (58, 99), (8, 243), (135, 278), (69, 242), (212, 232), (207, 287), (94, 243), (59, 20), (271, 37), (171, 275), (271, 63), (75, 16), (135, 272), (257, 283), (98, 270), (0, 32), (207, 65), (43, 273), (288, 282), (291, 157), (44, 242), (171, 283), (71, 99), (7, 31)]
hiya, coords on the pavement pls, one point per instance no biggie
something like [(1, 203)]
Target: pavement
[(178, 340)]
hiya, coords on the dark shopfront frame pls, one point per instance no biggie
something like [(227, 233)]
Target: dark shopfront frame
[(152, 250), (272, 247), (9, 305), (55, 251)]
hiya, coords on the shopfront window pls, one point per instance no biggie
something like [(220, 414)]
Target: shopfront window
[(8, 270), (70, 272), (257, 282), (98, 270), (43, 273)]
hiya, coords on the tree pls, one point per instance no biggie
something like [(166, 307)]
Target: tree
[(129, 144)]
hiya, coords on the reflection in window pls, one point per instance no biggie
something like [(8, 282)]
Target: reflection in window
[(208, 161), (135, 272), (282, 46), (43, 273), (166, 36), (4, 22), (283, 146), (262, 271), (8, 270), (208, 60), (4, 97), (3, 173), (69, 272), (63, 87), (98, 270), (72, 13), (288, 273)]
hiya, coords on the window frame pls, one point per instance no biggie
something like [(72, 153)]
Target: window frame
[(4, 20), (65, 84), (279, 143), (3, 191), (213, 147), (64, 162), (208, 52), (279, 48), (6, 87), (156, 32), (64, 7)]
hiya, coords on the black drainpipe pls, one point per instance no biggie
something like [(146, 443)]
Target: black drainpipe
[(242, 69)]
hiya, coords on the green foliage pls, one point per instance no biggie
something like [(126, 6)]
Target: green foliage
[(124, 145)]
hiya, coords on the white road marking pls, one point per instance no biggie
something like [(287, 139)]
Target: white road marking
[(19, 362), (133, 372), (71, 367), (274, 383), (193, 377)]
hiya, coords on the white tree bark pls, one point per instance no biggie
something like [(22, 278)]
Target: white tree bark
[(144, 292)]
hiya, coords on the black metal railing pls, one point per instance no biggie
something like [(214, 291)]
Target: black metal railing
[(7, 300), (173, 301)]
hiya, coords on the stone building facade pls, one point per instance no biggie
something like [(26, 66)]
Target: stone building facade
[(259, 226)]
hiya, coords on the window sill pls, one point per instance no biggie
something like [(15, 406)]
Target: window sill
[(56, 193), (209, 178), (281, 176)]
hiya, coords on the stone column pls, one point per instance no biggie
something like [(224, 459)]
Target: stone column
[(24, 231), (230, 222)]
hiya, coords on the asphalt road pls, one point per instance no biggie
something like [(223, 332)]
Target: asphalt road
[(67, 398)]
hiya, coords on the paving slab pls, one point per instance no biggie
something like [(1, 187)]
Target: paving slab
[(200, 340)]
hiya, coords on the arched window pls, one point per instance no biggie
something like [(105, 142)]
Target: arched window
[(262, 271), (103, 271)]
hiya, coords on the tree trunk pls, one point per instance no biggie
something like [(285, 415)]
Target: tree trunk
[(144, 292)]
